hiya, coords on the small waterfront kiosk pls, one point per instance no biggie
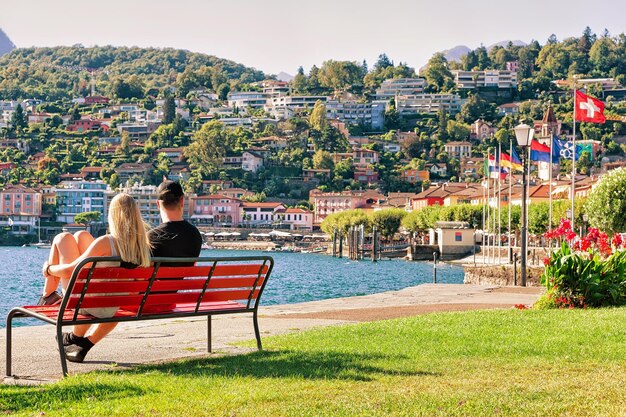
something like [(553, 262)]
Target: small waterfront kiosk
[(454, 239)]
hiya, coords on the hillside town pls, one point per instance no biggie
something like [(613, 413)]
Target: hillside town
[(273, 157)]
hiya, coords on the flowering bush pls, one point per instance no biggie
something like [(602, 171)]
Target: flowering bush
[(588, 271)]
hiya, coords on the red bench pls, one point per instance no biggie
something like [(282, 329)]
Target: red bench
[(212, 286)]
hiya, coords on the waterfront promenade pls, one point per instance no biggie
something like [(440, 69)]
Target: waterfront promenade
[(35, 359)]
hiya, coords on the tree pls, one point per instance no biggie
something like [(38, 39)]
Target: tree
[(169, 110), (87, 217), (538, 218), (19, 120), (299, 83), (458, 130), (123, 149), (388, 221), (606, 205), (393, 120), (438, 76), (323, 160), (340, 75), (419, 221), (207, 148), (318, 120)]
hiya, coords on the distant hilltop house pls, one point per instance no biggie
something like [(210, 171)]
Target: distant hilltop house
[(458, 149)]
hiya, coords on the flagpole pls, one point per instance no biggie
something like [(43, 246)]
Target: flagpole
[(488, 175), (499, 162), (509, 201), (528, 194), (573, 161), (483, 227), (550, 179)]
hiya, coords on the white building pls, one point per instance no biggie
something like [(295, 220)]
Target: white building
[(469, 80), (244, 99), (400, 87), (251, 161), (293, 103), (429, 103), (458, 149), (370, 115)]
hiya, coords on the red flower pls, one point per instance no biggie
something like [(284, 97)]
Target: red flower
[(570, 235), (617, 241), (546, 261), (521, 307)]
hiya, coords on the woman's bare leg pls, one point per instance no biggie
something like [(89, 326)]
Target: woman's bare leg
[(83, 240), (65, 249)]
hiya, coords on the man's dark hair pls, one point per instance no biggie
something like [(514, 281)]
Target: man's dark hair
[(169, 194)]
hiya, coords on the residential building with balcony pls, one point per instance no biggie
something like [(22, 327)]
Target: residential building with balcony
[(260, 214), (400, 87), (481, 130), (415, 175), (146, 198), (287, 105), (329, 203), (20, 207), (458, 149), (215, 210), (243, 99), (75, 197), (251, 161), (429, 103), (471, 80), (362, 157), (369, 115), (296, 218)]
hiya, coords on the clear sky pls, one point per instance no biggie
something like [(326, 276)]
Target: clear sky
[(280, 35)]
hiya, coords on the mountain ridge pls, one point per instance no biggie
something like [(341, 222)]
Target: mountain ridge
[(6, 45)]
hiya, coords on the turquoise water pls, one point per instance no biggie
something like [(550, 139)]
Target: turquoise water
[(297, 277)]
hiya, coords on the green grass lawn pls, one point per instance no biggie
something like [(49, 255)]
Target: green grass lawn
[(491, 363)]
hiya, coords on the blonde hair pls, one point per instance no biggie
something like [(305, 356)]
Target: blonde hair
[(129, 230)]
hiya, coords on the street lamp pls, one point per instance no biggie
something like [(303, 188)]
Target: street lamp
[(524, 134)]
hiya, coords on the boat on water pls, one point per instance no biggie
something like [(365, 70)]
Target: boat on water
[(42, 245), (206, 246)]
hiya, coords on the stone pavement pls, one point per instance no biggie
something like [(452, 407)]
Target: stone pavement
[(36, 360)]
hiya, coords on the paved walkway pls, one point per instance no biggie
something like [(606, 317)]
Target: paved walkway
[(36, 360)]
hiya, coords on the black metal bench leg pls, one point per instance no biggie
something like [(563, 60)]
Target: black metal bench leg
[(209, 333), (256, 330), (9, 341), (62, 350)]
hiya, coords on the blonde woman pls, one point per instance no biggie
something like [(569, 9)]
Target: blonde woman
[(127, 239)]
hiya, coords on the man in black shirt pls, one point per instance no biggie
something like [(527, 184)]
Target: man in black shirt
[(175, 237)]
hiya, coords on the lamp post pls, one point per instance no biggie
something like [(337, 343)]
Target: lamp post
[(523, 134)]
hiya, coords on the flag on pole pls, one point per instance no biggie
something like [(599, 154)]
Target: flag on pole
[(564, 149), (588, 109), (541, 152), (494, 169), (512, 162)]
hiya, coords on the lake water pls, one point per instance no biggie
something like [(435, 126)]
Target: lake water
[(21, 280)]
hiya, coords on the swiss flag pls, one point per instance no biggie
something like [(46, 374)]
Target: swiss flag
[(589, 109)]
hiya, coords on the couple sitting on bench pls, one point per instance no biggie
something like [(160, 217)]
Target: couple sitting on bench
[(129, 239)]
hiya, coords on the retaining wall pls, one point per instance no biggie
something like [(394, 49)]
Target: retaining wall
[(501, 275)]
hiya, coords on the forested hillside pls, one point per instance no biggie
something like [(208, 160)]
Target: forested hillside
[(62, 72)]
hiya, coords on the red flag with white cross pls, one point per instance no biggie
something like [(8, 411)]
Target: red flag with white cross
[(589, 109)]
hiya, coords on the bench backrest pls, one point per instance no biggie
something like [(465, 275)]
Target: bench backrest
[(210, 280)]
